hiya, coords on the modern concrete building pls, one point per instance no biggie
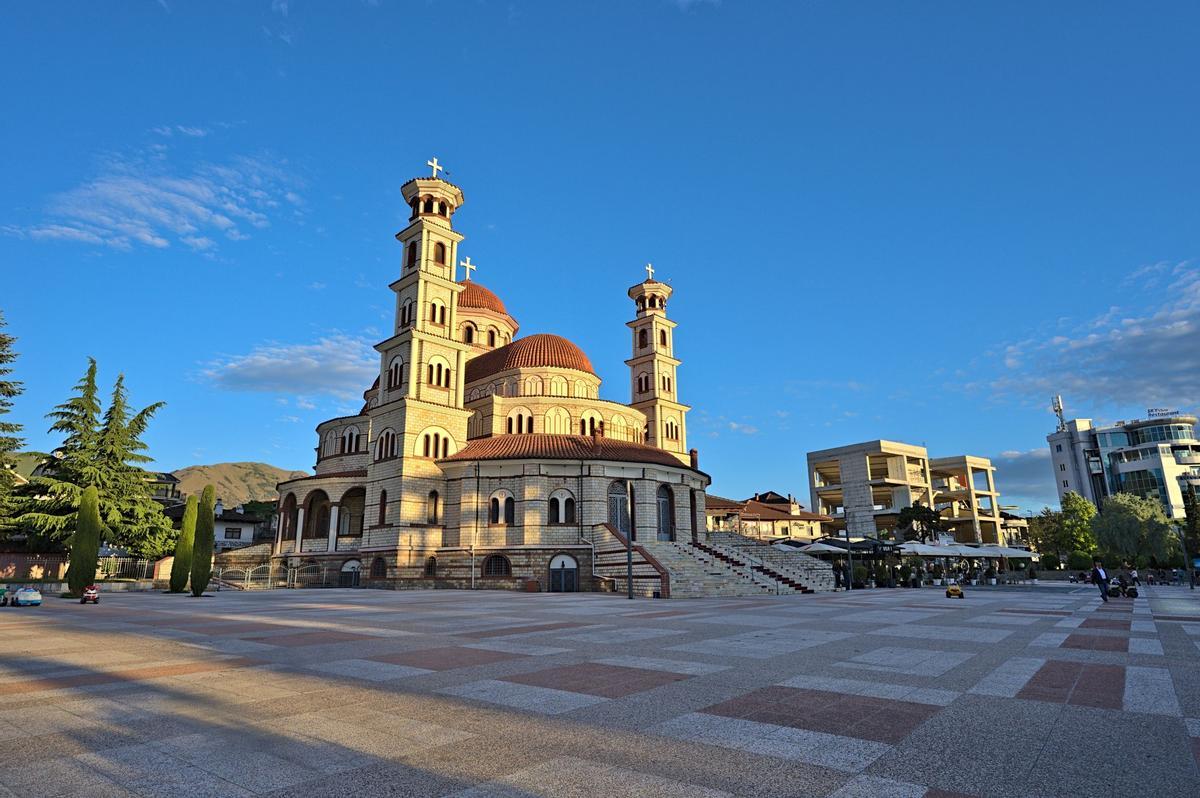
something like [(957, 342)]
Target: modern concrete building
[(1157, 457), (864, 486)]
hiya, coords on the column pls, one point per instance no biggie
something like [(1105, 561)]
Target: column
[(299, 528), (333, 527)]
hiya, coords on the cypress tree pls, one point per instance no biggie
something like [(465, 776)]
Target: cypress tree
[(85, 544), (202, 548), (181, 568)]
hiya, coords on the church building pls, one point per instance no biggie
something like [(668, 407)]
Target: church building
[(483, 458)]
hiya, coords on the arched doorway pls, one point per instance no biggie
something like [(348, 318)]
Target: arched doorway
[(665, 504), (620, 503), (316, 516), (564, 574), (349, 575)]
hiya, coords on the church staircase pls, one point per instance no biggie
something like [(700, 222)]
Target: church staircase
[(814, 574)]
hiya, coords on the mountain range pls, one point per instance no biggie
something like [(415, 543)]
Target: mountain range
[(235, 483)]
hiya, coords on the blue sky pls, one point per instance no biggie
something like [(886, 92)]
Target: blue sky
[(908, 221)]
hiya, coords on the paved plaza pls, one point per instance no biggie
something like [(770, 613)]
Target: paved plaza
[(1012, 692)]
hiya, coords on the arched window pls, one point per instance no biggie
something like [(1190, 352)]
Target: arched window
[(330, 446), (502, 508), (433, 442), (395, 376), (494, 510), (433, 508), (533, 386), (520, 421), (428, 205), (557, 421), (412, 253), (441, 209), (406, 313), (439, 253), (641, 303), (618, 428), (589, 422), (662, 337), (561, 509), (382, 507), (385, 445), (510, 511), (431, 566), (491, 337), (497, 565), (469, 334), (643, 339), (558, 386), (378, 568), (350, 440)]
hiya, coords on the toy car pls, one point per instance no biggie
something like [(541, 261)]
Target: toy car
[(90, 593), (27, 597), (954, 590)]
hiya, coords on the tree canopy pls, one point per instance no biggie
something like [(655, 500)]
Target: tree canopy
[(101, 451), (1130, 525), (919, 522), (9, 432), (1076, 519)]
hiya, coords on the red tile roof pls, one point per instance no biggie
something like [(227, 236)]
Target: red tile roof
[(475, 295), (562, 447), (533, 351)]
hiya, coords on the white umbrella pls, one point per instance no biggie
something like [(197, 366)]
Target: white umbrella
[(820, 548)]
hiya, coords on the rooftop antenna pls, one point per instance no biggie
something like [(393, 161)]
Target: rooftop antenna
[(1057, 406)]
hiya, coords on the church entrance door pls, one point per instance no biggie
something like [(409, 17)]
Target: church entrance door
[(564, 574), (618, 510), (666, 513)]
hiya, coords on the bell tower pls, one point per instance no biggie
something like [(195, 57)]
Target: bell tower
[(652, 369)]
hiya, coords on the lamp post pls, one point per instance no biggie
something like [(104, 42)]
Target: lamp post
[(629, 540), (849, 552)]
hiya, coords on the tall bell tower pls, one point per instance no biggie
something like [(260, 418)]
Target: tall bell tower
[(652, 369)]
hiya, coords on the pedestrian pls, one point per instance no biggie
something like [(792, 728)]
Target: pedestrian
[(1100, 578), (1133, 574), (837, 576)]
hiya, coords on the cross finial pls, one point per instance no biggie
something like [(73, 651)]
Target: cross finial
[(466, 264), (649, 271), (435, 166)]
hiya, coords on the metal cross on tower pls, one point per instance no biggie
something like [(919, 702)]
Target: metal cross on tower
[(649, 271), (466, 264), (435, 166)]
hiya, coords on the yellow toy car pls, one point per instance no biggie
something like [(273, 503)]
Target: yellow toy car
[(954, 590)]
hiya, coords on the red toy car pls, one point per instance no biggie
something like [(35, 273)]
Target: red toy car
[(90, 593)]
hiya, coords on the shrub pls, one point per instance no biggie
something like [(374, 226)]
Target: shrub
[(202, 548), (882, 577), (181, 567), (85, 545), (1079, 561), (860, 574)]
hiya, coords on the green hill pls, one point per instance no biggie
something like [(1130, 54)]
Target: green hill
[(235, 483)]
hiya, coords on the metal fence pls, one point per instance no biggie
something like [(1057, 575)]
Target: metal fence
[(272, 576), (124, 568)]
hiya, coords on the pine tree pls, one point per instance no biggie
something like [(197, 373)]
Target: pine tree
[(181, 568), (9, 441), (202, 548), (85, 543), (101, 452)]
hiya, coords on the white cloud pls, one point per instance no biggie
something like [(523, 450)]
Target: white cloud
[(745, 429), (1122, 356), (337, 365), (183, 130), (142, 201)]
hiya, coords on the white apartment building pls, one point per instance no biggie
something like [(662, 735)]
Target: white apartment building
[(1157, 457), (864, 486)]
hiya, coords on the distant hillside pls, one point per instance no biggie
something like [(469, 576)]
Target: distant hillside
[(236, 483)]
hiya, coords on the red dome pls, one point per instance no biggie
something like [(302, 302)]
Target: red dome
[(534, 351), (475, 295)]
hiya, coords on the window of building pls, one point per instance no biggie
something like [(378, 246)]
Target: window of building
[(497, 565), (561, 509), (433, 507), (1058, 447), (382, 507), (469, 334), (643, 340), (233, 533), (431, 566), (378, 568), (396, 373), (1062, 466), (1065, 485), (491, 337), (385, 446), (439, 253), (662, 337), (412, 254)]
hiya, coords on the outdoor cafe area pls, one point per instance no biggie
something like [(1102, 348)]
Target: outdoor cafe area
[(888, 563)]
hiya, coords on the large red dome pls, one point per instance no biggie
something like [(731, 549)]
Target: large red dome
[(475, 295), (534, 351)]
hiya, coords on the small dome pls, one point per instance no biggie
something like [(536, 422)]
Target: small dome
[(534, 351), (475, 295)]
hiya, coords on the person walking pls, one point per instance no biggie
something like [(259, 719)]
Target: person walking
[(1100, 578), (1133, 575)]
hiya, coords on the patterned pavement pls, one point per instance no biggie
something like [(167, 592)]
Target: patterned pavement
[(1036, 691)]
